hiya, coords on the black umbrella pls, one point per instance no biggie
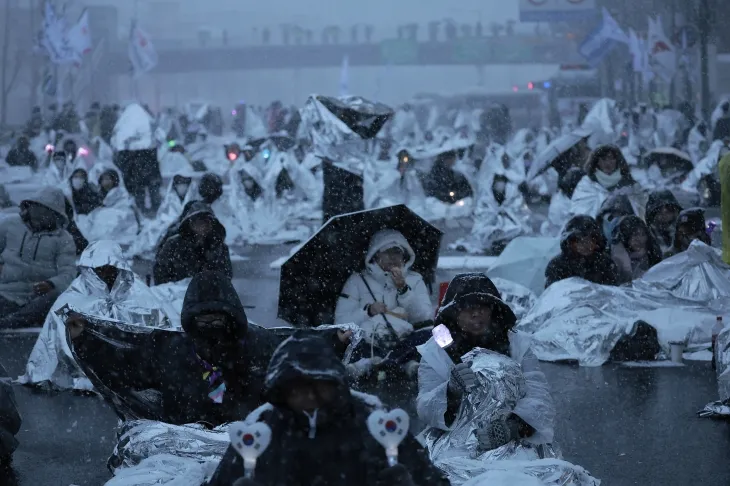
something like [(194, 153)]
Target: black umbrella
[(312, 278)]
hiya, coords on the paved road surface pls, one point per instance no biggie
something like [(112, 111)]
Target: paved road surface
[(626, 426)]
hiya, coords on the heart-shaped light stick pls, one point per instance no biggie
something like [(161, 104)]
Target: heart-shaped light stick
[(250, 441), (389, 429)]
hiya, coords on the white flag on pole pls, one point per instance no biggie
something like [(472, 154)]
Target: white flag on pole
[(142, 53), (54, 37), (79, 36), (662, 55), (345, 76), (637, 55), (611, 29)]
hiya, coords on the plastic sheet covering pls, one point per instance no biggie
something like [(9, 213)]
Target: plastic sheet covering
[(721, 407), (589, 195), (142, 439), (518, 297), (706, 166), (502, 386), (129, 301), (134, 130), (671, 125), (601, 121), (165, 469), (697, 145), (533, 473), (681, 297), (559, 213), (523, 262), (494, 222), (116, 217), (169, 211)]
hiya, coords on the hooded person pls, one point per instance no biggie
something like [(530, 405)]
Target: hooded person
[(212, 372), (614, 207), (444, 183), (84, 195), (662, 211), (559, 209), (198, 245), (59, 169), (721, 129), (106, 287), (394, 182), (21, 154), (690, 226), (582, 254), (607, 167), (319, 429), (210, 188), (37, 259), (633, 249), (10, 422), (476, 317), (501, 215), (388, 299)]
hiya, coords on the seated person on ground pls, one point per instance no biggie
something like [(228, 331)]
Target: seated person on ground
[(213, 372), (690, 226), (633, 249), (387, 299), (477, 317), (582, 254), (37, 259), (84, 195), (662, 211), (198, 245), (319, 429)]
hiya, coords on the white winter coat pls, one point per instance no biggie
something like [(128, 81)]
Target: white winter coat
[(536, 408), (355, 296)]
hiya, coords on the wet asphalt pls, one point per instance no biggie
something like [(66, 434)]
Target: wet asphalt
[(627, 426)]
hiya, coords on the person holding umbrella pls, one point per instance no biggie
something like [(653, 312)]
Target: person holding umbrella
[(387, 300)]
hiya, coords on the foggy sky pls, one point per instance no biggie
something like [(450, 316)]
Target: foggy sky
[(316, 13)]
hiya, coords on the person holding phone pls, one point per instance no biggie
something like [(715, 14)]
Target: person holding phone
[(476, 317)]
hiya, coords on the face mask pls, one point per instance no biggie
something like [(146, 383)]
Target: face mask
[(77, 183), (608, 180), (182, 189)]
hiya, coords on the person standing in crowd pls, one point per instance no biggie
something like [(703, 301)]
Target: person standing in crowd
[(37, 257), (582, 254), (608, 167), (21, 154)]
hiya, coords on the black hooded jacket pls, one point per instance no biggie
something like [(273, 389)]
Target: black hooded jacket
[(79, 239), (10, 420), (466, 290), (87, 198), (664, 235), (630, 268), (337, 449), (182, 256), (166, 361), (443, 181), (690, 225), (598, 268)]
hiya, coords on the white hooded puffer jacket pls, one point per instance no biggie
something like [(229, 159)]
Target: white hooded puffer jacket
[(355, 297)]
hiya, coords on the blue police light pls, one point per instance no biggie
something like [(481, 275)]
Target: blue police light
[(546, 85)]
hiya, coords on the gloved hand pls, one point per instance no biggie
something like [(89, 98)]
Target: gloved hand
[(499, 432), (396, 475), (245, 482), (462, 379), (363, 366)]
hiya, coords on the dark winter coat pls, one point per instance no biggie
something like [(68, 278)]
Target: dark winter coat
[(664, 235), (181, 257), (466, 290), (569, 180), (85, 199), (722, 129), (338, 450), (80, 240), (598, 268), (172, 367), (10, 419), (630, 266), (19, 157), (442, 181), (690, 223)]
